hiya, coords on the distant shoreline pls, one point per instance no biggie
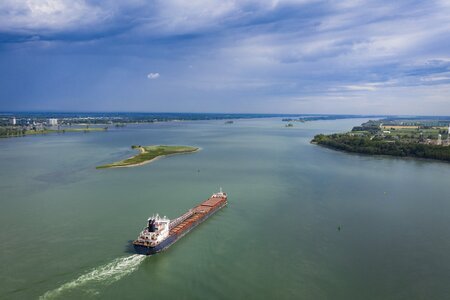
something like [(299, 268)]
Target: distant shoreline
[(11, 133)]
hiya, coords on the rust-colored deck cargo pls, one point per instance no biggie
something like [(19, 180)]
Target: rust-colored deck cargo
[(162, 232)]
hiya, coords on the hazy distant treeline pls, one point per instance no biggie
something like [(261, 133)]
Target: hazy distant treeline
[(11, 131)]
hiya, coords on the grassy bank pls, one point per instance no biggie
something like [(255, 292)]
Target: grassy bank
[(47, 131), (16, 132), (149, 153)]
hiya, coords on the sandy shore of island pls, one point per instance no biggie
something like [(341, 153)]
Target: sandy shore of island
[(142, 150)]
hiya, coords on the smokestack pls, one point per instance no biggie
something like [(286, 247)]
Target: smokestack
[(151, 225)]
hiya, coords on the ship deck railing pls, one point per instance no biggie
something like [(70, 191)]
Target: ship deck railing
[(180, 219)]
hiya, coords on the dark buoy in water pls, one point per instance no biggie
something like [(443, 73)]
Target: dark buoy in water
[(198, 170), (339, 228)]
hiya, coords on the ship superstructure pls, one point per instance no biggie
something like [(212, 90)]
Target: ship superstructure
[(157, 230), (160, 233)]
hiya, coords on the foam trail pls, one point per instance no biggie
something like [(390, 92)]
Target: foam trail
[(103, 275)]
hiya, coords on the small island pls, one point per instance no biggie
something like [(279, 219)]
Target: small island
[(148, 154), (405, 138)]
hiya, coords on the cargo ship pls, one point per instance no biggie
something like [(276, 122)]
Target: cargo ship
[(160, 232)]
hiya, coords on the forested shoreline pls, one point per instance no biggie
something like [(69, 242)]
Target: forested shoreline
[(377, 146)]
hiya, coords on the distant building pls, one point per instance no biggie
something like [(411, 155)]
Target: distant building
[(439, 140), (53, 122), (13, 121)]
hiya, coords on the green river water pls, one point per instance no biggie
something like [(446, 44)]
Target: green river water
[(65, 227)]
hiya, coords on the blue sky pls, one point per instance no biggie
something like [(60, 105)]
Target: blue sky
[(305, 56)]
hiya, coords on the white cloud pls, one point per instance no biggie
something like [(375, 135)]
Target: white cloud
[(368, 86), (48, 15), (362, 87), (181, 16), (432, 78), (153, 75)]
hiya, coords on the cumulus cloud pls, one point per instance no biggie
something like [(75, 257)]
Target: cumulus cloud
[(153, 75)]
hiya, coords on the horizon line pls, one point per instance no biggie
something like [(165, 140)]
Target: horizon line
[(215, 113)]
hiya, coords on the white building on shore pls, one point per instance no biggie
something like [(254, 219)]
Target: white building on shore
[(13, 121), (53, 122)]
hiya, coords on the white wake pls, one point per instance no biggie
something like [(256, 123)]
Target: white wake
[(103, 275)]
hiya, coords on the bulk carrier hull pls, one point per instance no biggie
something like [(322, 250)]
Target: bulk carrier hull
[(180, 228)]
